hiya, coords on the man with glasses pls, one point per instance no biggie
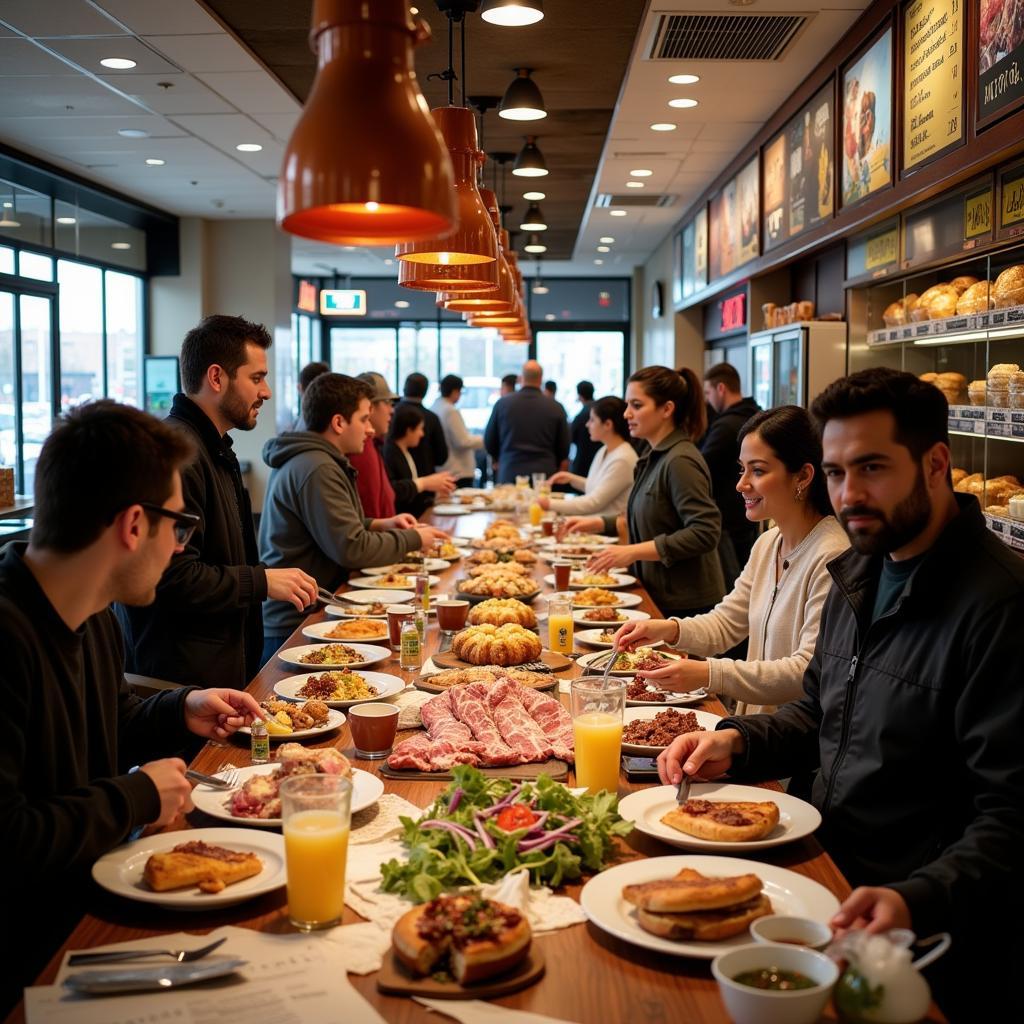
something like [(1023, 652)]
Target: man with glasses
[(206, 624), (109, 516)]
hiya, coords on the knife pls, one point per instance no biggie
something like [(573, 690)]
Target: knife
[(683, 792), (207, 780), (142, 979)]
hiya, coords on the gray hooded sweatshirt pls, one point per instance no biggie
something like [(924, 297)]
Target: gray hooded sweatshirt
[(313, 520)]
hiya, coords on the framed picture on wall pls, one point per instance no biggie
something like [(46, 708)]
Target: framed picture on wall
[(748, 210), (1000, 60)]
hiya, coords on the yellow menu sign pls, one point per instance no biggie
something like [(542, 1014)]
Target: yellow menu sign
[(881, 250), (933, 69), (1012, 190), (977, 214)]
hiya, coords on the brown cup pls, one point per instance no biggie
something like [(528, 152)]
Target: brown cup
[(451, 615), (562, 571), (397, 614), (547, 527), (373, 728)]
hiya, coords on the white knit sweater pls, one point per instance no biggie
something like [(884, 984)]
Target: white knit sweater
[(607, 485), (781, 622)]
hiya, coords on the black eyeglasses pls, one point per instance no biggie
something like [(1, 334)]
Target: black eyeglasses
[(184, 522)]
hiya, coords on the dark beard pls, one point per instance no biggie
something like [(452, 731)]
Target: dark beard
[(909, 519), (235, 411)]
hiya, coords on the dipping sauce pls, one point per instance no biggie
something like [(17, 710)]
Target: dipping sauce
[(774, 979)]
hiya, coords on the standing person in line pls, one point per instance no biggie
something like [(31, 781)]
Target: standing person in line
[(720, 448), (509, 383), (462, 445), (206, 625), (672, 522), (584, 447), (551, 390), (372, 482), (527, 433), (432, 453), (607, 485), (307, 375), (413, 493), (777, 599), (312, 515), (912, 712)]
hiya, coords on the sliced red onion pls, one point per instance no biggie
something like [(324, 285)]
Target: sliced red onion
[(453, 801), (450, 826), (503, 802)]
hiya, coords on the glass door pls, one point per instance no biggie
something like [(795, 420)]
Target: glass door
[(789, 368), (761, 372)]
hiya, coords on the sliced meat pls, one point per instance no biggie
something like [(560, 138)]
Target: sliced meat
[(442, 723), (469, 703), (422, 753), (517, 728), (554, 720)]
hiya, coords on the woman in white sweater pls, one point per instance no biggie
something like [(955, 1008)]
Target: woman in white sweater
[(606, 487), (777, 599)]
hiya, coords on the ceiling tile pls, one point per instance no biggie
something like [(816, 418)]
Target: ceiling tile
[(186, 95), (279, 125), (214, 52), (57, 18), (252, 91), (88, 53), (91, 129), (177, 17), (24, 97), (19, 56)]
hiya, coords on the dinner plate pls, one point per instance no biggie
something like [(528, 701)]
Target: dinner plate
[(596, 540), (366, 791), (791, 894), (335, 719), (457, 510), (630, 613), (374, 583), (368, 655), (341, 612), (620, 580), (386, 685), (591, 637), (588, 660), (121, 870), (384, 596), (429, 565), (705, 720), (645, 808), (459, 553), (319, 631), (625, 601)]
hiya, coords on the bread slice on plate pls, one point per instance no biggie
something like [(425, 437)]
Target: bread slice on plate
[(197, 863), (706, 925), (692, 891), (724, 821)]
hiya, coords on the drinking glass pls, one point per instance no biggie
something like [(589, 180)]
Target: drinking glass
[(522, 482), (316, 813), (538, 480), (373, 728), (560, 626), (451, 614), (597, 712), (397, 614), (562, 570)]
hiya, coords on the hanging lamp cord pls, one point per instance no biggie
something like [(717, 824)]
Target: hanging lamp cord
[(448, 75)]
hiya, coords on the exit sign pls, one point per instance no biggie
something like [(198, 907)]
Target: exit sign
[(342, 302)]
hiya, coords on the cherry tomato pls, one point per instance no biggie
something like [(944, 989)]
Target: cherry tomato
[(515, 816)]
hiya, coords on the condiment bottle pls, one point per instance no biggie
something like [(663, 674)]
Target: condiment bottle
[(259, 742), (411, 646)]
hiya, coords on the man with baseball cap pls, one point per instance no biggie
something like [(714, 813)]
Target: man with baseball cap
[(372, 483)]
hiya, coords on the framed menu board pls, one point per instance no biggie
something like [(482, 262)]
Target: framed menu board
[(700, 249), (933, 94), (776, 221), (735, 216), (867, 121), (748, 203), (1000, 59)]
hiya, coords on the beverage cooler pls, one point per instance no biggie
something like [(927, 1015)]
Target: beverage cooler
[(790, 365)]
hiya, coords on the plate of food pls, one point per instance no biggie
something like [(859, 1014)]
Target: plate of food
[(451, 552), (365, 629), (448, 509), (585, 580), (601, 597), (483, 588), (334, 655), (410, 568), (613, 616), (384, 597), (195, 869), (604, 637), (628, 663), (390, 581), (720, 817), (340, 689), (255, 800), (641, 693), (647, 902), (373, 610), (290, 721), (648, 731)]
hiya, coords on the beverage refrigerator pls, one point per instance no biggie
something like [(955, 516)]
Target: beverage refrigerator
[(790, 365)]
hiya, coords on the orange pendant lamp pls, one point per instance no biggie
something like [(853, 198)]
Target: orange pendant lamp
[(503, 298), (474, 241), (365, 164)]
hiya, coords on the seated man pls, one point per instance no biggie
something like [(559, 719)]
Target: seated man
[(913, 709), (312, 515), (108, 517)]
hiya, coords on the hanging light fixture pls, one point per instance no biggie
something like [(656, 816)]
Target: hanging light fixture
[(539, 287), (534, 245), (512, 13), (533, 220), (501, 299), (365, 164), (522, 100), (530, 162)]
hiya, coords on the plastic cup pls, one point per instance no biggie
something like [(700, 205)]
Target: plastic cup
[(373, 728), (597, 712), (397, 614)]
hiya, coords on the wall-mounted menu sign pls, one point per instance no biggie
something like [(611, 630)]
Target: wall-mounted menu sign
[(1000, 58), (933, 32), (881, 250), (342, 302), (978, 213), (735, 213), (874, 253), (695, 254), (867, 121), (1011, 205)]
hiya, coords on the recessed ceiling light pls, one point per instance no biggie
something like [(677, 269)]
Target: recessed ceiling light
[(606, 240), (414, 10), (155, 162), (663, 126), (604, 248), (132, 133), (682, 103), (388, 262), (598, 263), (8, 206), (641, 172), (684, 79), (535, 247), (617, 213), (549, 316), (248, 147), (117, 63), (634, 184), (120, 245), (534, 197), (65, 220), (401, 304)]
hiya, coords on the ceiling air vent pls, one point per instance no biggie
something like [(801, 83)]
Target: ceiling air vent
[(656, 201), (725, 36)]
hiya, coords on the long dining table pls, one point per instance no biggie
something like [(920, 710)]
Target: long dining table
[(591, 975)]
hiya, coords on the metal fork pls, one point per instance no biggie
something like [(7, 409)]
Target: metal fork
[(226, 778), (183, 956)]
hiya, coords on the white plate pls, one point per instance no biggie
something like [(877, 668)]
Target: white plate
[(373, 582), (456, 510), (319, 631), (586, 660), (621, 580), (630, 613), (705, 719), (791, 894), (368, 655), (341, 612), (384, 596), (596, 540), (625, 601), (386, 685), (672, 700), (429, 564), (335, 719), (646, 807), (366, 791), (590, 637), (460, 553), (120, 871)]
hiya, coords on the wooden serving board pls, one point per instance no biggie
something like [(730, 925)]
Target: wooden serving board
[(553, 768), (395, 979), (554, 661), (549, 683)]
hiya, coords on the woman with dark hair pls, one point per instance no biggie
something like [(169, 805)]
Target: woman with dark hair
[(778, 597), (672, 523), (413, 493), (607, 484)]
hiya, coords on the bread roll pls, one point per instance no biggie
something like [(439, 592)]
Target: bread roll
[(967, 483), (895, 314), (962, 283), (976, 299), (943, 303), (1003, 369), (705, 925), (928, 378), (1009, 287), (958, 475)]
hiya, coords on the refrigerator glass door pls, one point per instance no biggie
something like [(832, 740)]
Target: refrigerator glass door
[(761, 373), (789, 369)]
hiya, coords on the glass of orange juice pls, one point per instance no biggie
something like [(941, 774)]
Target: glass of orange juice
[(560, 625), (536, 513), (597, 712), (316, 810)]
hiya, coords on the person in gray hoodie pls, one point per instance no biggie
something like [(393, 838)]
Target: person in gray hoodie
[(312, 516)]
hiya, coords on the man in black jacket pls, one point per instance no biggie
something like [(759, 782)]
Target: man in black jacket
[(206, 625), (721, 451), (584, 448), (432, 452), (913, 711), (108, 516)]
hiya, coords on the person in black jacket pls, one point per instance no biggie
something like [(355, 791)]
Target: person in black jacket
[(721, 450), (413, 493), (584, 449), (432, 452), (109, 515), (913, 710), (206, 625)]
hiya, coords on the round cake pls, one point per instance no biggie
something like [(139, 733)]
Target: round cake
[(499, 611), (486, 644)]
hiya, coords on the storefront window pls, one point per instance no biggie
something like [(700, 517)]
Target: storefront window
[(355, 350), (6, 260), (36, 380), (124, 336), (31, 264), (81, 333), (417, 353), (8, 452), (571, 356)]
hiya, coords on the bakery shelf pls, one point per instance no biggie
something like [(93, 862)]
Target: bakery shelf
[(1009, 531)]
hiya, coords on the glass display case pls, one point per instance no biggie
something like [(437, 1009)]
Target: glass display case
[(789, 365)]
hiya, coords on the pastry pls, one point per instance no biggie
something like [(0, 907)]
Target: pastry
[(929, 378), (724, 821), (486, 644), (942, 303), (499, 569), (596, 596), (963, 282), (358, 629), (500, 586), (895, 314), (958, 475), (197, 863), (488, 675), (1008, 289), (976, 299), (497, 611)]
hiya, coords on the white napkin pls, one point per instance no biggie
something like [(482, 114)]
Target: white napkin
[(360, 947), (409, 703), (381, 820), (475, 1011)]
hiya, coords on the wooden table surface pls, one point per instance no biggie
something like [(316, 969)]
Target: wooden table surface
[(591, 976)]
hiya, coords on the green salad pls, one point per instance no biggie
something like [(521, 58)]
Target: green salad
[(481, 828)]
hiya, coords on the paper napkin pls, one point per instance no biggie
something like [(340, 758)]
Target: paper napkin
[(475, 1011)]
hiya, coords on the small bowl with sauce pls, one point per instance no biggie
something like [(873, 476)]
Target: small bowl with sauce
[(774, 984), (791, 931)]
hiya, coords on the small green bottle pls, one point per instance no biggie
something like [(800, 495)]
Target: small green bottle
[(260, 742)]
